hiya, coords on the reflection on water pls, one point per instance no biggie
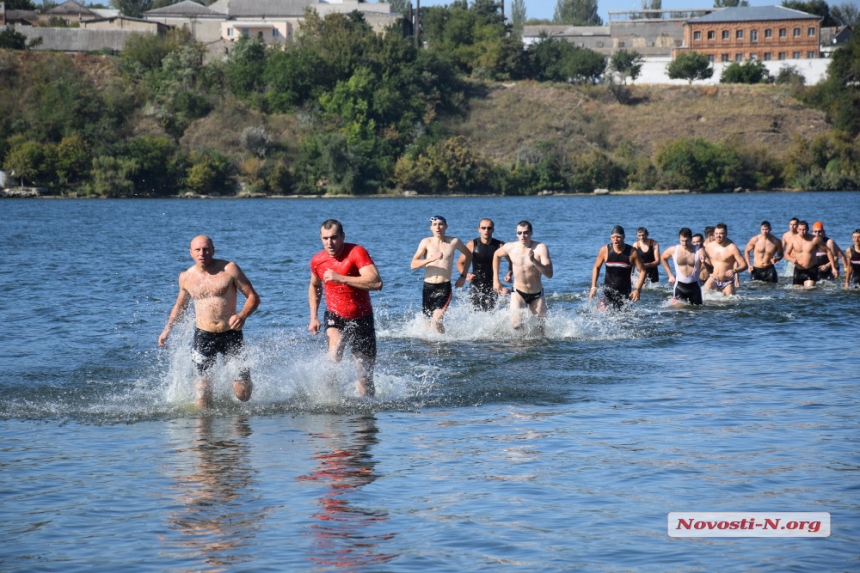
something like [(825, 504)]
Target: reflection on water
[(218, 515), (343, 531)]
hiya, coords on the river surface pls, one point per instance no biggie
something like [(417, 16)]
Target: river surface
[(485, 448)]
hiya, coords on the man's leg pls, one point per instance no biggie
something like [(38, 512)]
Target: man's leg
[(538, 308)]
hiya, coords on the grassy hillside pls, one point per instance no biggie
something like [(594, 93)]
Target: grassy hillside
[(505, 118)]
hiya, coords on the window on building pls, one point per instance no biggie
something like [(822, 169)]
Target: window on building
[(795, 55), (725, 34), (739, 34), (753, 56), (797, 32), (811, 55), (697, 36), (229, 32), (781, 55), (767, 56), (810, 32), (753, 35), (711, 58), (768, 33), (782, 33), (712, 35), (724, 58), (275, 33), (739, 57)]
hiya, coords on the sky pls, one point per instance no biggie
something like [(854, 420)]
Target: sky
[(545, 8)]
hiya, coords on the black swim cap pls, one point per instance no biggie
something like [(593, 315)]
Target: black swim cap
[(617, 230)]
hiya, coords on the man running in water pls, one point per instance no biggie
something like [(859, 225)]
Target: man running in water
[(801, 251), (530, 260), (483, 248), (791, 233), (620, 258), (212, 284), (768, 252), (347, 274), (436, 255), (824, 269), (687, 259), (852, 268), (649, 254), (727, 261)]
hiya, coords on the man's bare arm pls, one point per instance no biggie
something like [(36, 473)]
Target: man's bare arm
[(664, 260), (419, 259), (461, 262), (177, 312), (314, 298), (467, 254), (542, 262), (749, 248), (368, 278), (595, 272), (252, 299)]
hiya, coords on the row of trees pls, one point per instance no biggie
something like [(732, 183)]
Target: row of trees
[(368, 108)]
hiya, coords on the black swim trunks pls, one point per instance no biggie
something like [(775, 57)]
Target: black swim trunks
[(690, 292), (436, 296), (530, 297), (765, 274), (208, 345), (359, 333), (615, 298), (483, 296), (803, 275)]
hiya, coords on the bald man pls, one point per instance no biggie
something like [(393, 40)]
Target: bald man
[(213, 285)]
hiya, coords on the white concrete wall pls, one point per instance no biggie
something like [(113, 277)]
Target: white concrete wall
[(654, 71)]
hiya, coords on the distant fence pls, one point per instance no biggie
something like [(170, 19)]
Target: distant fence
[(76, 39)]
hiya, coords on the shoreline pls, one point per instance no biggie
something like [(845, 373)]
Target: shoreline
[(35, 193)]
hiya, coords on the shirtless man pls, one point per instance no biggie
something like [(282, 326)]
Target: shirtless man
[(687, 259), (787, 237), (791, 233), (726, 259), (649, 254), (212, 284), (436, 255), (768, 251), (699, 242), (483, 248), (801, 251), (852, 267), (620, 258), (530, 260), (821, 256)]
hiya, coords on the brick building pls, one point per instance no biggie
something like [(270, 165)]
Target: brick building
[(753, 33)]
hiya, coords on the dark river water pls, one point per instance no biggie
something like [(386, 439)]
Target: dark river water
[(485, 448)]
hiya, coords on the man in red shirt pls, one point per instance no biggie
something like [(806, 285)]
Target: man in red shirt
[(347, 274)]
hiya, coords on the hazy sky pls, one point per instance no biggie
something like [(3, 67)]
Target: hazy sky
[(545, 8)]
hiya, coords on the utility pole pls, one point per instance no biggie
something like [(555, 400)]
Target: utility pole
[(416, 27)]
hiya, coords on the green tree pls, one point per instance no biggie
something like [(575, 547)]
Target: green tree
[(690, 66), (626, 63), (245, 67), (19, 5), (111, 177), (749, 72), (577, 13), (839, 94), (12, 40), (846, 14), (73, 159), (790, 75), (816, 7), (696, 164), (132, 8), (26, 161), (551, 59), (518, 14), (730, 3)]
